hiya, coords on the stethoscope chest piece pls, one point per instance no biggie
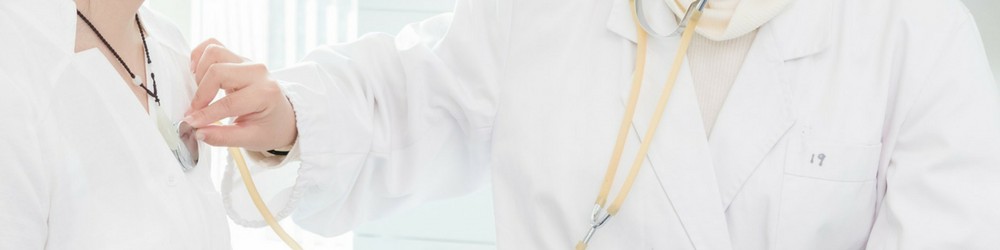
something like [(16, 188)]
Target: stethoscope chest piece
[(187, 153), (181, 140)]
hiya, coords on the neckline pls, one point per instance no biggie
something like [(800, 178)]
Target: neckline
[(150, 41)]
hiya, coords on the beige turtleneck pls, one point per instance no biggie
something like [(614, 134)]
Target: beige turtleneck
[(714, 67)]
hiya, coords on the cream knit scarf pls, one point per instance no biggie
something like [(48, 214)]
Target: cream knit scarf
[(727, 19)]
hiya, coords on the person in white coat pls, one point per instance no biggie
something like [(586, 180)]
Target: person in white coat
[(793, 124), (82, 163)]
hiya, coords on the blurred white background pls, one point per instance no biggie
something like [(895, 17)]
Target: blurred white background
[(279, 32)]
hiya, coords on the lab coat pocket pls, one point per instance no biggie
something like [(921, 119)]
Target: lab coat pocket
[(834, 161), (828, 194)]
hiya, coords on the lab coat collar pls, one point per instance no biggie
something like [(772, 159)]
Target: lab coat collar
[(44, 40), (804, 29), (621, 20)]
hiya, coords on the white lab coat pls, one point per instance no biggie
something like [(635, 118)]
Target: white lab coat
[(896, 95), (82, 165)]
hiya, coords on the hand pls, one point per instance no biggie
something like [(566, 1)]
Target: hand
[(264, 116)]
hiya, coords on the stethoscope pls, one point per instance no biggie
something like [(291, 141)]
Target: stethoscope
[(182, 142), (601, 214)]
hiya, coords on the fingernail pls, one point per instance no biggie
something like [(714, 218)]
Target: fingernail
[(199, 135), (189, 120)]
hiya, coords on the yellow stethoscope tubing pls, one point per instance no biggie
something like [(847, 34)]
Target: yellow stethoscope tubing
[(654, 123), (637, 76), (241, 165)]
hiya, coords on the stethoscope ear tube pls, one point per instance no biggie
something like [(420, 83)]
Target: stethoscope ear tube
[(640, 14), (241, 165)]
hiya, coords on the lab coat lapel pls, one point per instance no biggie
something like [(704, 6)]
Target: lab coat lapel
[(679, 154), (756, 114), (758, 111), (42, 46), (107, 90)]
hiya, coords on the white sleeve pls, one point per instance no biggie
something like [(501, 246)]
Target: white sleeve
[(386, 123), (25, 160), (942, 183)]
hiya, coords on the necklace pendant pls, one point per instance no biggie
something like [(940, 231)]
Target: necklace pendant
[(136, 81)]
